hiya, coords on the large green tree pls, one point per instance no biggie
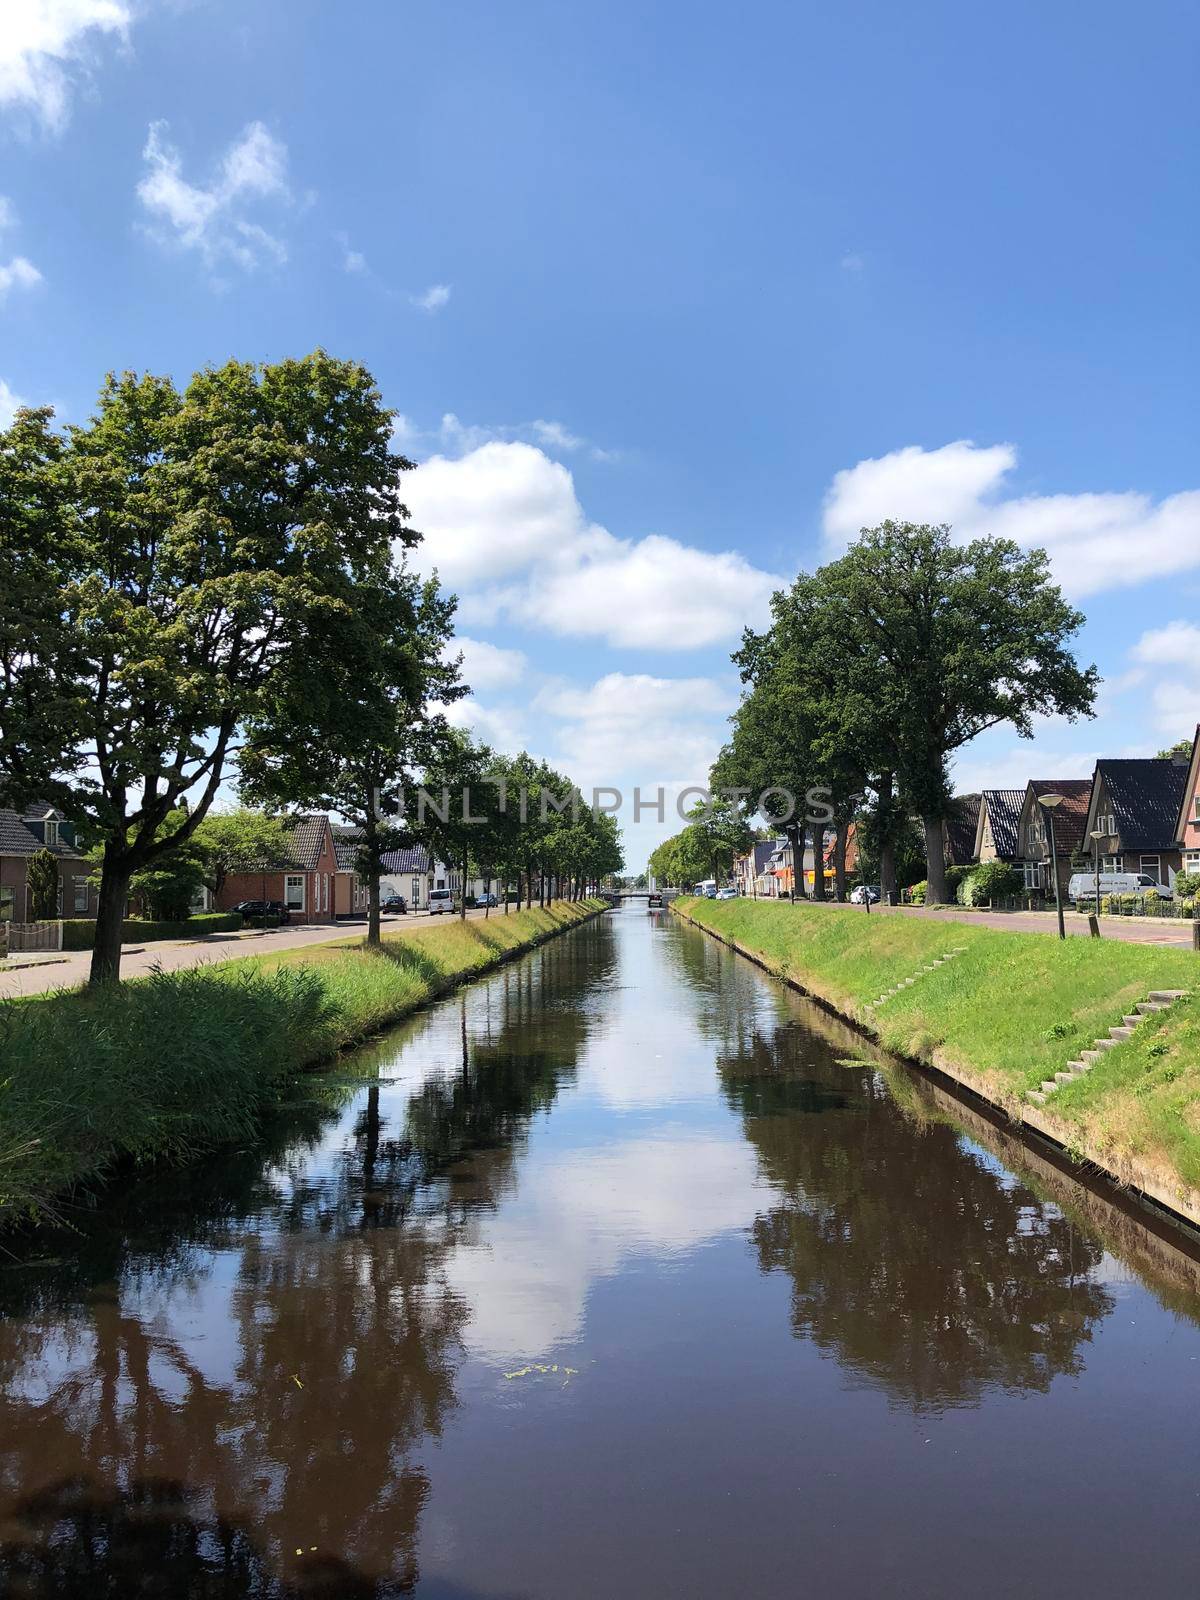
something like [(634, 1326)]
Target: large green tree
[(960, 638), (241, 840), (344, 726), (199, 531)]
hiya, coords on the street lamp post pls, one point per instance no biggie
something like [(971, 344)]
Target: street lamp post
[(1049, 804)]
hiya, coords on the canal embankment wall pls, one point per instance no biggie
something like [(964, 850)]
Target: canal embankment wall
[(1001, 1014), (162, 1069)]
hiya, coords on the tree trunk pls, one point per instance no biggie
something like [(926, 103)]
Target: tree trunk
[(374, 920), (541, 889), (935, 861), (839, 861), (462, 903), (818, 838), (487, 898), (110, 915), (887, 841)]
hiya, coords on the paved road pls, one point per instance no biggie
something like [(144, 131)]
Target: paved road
[(1133, 930), (171, 954)]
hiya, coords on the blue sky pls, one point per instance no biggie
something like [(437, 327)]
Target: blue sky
[(672, 298)]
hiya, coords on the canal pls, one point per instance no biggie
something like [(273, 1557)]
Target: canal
[(624, 1273)]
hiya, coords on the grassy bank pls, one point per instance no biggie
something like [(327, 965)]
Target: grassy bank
[(166, 1067), (1008, 1011)]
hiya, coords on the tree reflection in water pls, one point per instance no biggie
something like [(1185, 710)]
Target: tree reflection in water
[(346, 1334), (922, 1268)]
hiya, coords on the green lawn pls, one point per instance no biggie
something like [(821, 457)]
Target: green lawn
[(1010, 1010), (166, 1067)]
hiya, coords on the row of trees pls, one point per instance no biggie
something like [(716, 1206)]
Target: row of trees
[(877, 668), (200, 581)]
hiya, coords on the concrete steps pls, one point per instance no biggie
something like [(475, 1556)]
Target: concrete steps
[(1159, 1000), (907, 983)]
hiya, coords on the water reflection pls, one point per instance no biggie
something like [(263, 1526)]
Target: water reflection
[(284, 1377), (337, 1331)]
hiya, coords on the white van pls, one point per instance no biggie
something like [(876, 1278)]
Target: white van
[(440, 900), (1082, 885)]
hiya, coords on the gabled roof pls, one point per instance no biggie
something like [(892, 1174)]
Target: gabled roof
[(308, 840), (1070, 818), (962, 824), (346, 843), (18, 840), (1191, 787), (762, 851), (1145, 797), (415, 859), (1002, 807)]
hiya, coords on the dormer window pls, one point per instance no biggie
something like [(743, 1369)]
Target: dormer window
[(51, 831)]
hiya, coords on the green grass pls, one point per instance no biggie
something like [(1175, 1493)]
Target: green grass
[(1009, 1011), (167, 1067)]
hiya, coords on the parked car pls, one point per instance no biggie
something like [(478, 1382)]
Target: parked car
[(1082, 885), (394, 903), (441, 900), (864, 892), (258, 909), (487, 900), (726, 894)]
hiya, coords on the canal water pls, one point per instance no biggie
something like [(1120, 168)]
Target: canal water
[(625, 1273)]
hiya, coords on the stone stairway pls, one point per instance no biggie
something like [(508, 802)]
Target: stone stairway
[(1159, 1000), (907, 983)]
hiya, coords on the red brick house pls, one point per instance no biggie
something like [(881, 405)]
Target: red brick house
[(306, 883), (1070, 840), (22, 834), (1187, 832)]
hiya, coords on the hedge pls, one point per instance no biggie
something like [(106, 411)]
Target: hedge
[(79, 933)]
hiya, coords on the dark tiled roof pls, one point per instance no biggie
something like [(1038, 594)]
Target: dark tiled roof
[(415, 859), (308, 840), (961, 827), (1004, 808), (346, 842), (18, 840), (1145, 796), (1070, 818), (764, 849)]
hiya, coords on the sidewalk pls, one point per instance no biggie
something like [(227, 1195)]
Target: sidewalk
[(70, 970), (1132, 930)]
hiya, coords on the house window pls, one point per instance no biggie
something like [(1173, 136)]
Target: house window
[(1106, 824), (1151, 866), (416, 891), (1196, 808), (1110, 864), (51, 832), (81, 894), (1033, 875), (1191, 861), (8, 903), (293, 891)]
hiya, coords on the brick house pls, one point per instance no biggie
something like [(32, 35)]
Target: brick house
[(1187, 827), (1070, 835), (22, 834), (1135, 805), (306, 883), (998, 831), (351, 896)]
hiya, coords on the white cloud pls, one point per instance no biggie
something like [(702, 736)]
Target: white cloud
[(505, 529), (1095, 541), (555, 435), (44, 43), (210, 219), (488, 666), (1175, 645), (19, 273), (433, 298), (1176, 708), (633, 728), (9, 401), (7, 215)]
